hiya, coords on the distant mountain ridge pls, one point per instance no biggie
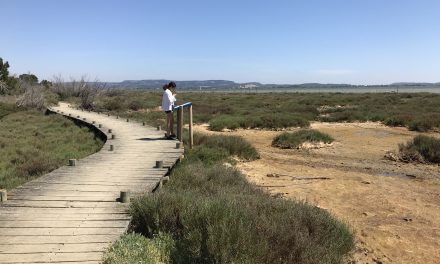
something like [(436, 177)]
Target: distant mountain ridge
[(152, 84), (226, 84)]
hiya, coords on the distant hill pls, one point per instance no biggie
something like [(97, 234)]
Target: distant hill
[(156, 84), (415, 84)]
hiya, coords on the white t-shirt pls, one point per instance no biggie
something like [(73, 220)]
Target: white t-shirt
[(168, 100)]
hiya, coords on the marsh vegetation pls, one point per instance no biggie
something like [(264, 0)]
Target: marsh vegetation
[(421, 149), (295, 139), (33, 143), (214, 215), (418, 112)]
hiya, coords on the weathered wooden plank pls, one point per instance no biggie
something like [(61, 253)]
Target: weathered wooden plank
[(70, 210), (66, 231), (53, 248), (56, 193), (7, 216), (65, 223), (62, 204), (67, 187), (108, 198), (29, 240), (103, 183), (50, 257)]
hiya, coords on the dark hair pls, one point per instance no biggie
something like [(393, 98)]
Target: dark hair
[(172, 84)]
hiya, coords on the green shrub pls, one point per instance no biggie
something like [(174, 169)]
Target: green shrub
[(396, 121), (6, 109), (420, 125), (135, 105), (295, 139), (282, 121), (264, 121), (221, 122), (113, 104), (36, 165), (216, 216), (421, 148), (208, 155), (233, 145), (135, 248)]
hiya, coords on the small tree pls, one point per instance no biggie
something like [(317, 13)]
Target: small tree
[(46, 83), (30, 78), (4, 72)]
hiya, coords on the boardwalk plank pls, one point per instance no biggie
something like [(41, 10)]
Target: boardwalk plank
[(50, 257), (65, 223), (66, 231), (71, 214), (48, 248)]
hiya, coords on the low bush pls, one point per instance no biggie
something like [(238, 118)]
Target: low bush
[(221, 122), (264, 121), (214, 215), (233, 145), (421, 149), (396, 121), (135, 248), (421, 125), (295, 139)]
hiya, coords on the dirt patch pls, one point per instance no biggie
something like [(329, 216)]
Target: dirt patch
[(393, 207)]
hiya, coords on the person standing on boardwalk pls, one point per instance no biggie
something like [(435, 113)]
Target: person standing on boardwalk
[(168, 100)]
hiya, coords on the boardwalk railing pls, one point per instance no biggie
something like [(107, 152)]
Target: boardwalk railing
[(180, 123)]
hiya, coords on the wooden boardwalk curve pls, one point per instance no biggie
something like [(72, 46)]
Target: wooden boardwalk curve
[(72, 215)]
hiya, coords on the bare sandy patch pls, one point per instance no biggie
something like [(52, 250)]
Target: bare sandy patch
[(393, 207)]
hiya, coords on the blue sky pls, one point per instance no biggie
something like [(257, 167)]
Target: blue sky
[(278, 41)]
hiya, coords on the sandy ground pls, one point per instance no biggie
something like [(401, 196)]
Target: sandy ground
[(392, 207)]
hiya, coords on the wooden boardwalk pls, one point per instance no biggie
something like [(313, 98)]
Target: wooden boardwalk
[(72, 215)]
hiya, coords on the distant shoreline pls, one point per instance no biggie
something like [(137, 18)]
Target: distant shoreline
[(316, 90)]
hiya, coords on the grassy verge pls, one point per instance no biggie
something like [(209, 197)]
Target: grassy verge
[(135, 248), (418, 111), (214, 215), (421, 149), (32, 144), (295, 139)]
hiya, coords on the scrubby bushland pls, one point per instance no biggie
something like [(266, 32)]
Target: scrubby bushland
[(295, 139), (85, 90), (33, 96), (214, 215), (32, 144), (418, 111), (265, 121), (421, 149)]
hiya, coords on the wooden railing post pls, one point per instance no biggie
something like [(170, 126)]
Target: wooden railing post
[(191, 136), (180, 124), (180, 110)]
